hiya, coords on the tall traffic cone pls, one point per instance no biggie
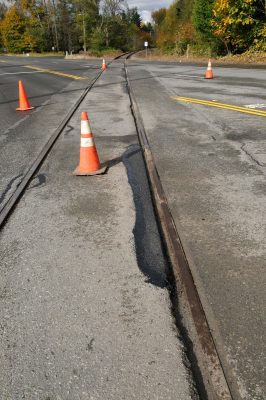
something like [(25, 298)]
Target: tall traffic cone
[(89, 163), (24, 104), (209, 74), (104, 66)]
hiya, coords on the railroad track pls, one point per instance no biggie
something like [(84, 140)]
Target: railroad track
[(187, 307), (201, 349), (7, 208)]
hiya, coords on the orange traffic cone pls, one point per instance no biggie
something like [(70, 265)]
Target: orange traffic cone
[(209, 74), (89, 163), (104, 66), (24, 104)]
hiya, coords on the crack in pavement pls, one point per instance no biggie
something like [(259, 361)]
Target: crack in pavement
[(250, 155)]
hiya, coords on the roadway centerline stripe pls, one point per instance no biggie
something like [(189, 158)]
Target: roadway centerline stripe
[(48, 71), (231, 107), (214, 103)]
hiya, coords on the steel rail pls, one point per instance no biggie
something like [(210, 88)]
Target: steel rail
[(6, 210), (205, 362)]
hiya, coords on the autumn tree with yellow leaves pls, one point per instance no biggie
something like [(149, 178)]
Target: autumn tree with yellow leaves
[(239, 23)]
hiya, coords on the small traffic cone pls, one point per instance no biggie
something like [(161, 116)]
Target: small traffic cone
[(89, 163), (104, 66), (209, 74), (24, 104)]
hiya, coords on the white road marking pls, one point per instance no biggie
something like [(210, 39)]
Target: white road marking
[(255, 106), (45, 103), (15, 125), (173, 75), (20, 73)]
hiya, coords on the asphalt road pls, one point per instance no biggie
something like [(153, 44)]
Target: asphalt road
[(52, 92), (85, 309), (210, 151), (83, 275)]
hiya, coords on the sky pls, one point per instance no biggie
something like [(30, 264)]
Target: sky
[(145, 7)]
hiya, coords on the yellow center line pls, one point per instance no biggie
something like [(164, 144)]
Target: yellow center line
[(216, 104), (2, 61), (48, 71)]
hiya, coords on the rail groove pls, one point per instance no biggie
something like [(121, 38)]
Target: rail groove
[(209, 372)]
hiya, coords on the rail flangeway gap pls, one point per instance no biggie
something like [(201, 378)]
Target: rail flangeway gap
[(225, 106), (48, 71)]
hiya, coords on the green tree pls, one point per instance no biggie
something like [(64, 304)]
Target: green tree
[(185, 9), (65, 20), (202, 16), (202, 21), (33, 12), (112, 23), (112, 8), (132, 16), (86, 22)]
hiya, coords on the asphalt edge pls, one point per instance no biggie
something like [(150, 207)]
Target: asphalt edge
[(209, 373)]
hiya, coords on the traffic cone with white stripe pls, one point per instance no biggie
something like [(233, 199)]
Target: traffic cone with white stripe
[(209, 73), (104, 66), (89, 163)]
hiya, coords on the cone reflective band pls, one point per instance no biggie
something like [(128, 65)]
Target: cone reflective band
[(24, 104), (86, 142), (89, 163), (209, 74)]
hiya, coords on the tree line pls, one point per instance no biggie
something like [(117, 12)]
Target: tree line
[(207, 27), (211, 26), (70, 25)]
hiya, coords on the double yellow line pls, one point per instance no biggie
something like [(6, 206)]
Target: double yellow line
[(216, 104), (48, 71)]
